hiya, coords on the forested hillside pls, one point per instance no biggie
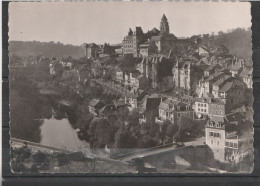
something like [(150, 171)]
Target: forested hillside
[(47, 49), (238, 41)]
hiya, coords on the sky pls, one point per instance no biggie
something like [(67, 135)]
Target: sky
[(99, 22)]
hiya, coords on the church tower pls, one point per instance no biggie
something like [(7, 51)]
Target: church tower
[(164, 26)]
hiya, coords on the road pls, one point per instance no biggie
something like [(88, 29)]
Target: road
[(199, 141)]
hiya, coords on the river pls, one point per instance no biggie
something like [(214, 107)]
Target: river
[(59, 133)]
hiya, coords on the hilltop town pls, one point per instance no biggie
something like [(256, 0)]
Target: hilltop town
[(152, 90)]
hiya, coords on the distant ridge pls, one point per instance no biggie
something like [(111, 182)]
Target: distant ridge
[(47, 49)]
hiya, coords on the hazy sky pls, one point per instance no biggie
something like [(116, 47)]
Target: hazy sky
[(99, 22)]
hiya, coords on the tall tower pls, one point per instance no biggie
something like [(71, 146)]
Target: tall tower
[(164, 26)]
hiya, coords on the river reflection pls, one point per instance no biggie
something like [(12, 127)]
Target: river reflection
[(58, 132)]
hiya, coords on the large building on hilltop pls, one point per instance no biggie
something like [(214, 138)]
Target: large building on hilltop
[(132, 41), (155, 41)]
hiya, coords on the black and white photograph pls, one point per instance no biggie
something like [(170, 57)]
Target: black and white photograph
[(131, 87)]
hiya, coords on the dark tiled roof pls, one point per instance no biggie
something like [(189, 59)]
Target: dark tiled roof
[(235, 117), (226, 87), (94, 102)]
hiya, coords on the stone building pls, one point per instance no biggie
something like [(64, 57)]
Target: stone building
[(173, 110), (132, 41), (246, 76), (186, 74), (224, 140), (91, 50)]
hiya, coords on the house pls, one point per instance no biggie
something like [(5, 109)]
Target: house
[(203, 51), (225, 141), (107, 111), (134, 96), (94, 106), (233, 93), (237, 67), (173, 110), (132, 41), (201, 107), (218, 109), (246, 76), (204, 88), (91, 50), (218, 84)]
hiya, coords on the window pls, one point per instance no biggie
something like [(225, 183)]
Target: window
[(199, 104), (227, 144), (178, 115), (199, 109), (217, 142), (211, 142), (235, 145), (210, 133)]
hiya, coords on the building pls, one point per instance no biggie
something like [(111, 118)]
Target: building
[(186, 74), (201, 107), (246, 76), (173, 110), (94, 106), (91, 50), (203, 51), (204, 88), (211, 70), (233, 93), (237, 67), (219, 83), (225, 141), (132, 41)]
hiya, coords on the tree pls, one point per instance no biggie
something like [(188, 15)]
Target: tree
[(124, 139)]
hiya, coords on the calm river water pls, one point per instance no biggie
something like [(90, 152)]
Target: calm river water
[(59, 133)]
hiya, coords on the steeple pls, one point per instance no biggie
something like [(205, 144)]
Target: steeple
[(164, 26)]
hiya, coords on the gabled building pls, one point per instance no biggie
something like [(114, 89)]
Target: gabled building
[(203, 51), (246, 77), (224, 139), (237, 67), (94, 106), (91, 50), (173, 110), (233, 93), (132, 41), (218, 84)]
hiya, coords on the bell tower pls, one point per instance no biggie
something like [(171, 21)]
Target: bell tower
[(164, 26)]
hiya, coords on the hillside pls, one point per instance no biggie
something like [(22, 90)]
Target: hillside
[(47, 49), (237, 41)]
